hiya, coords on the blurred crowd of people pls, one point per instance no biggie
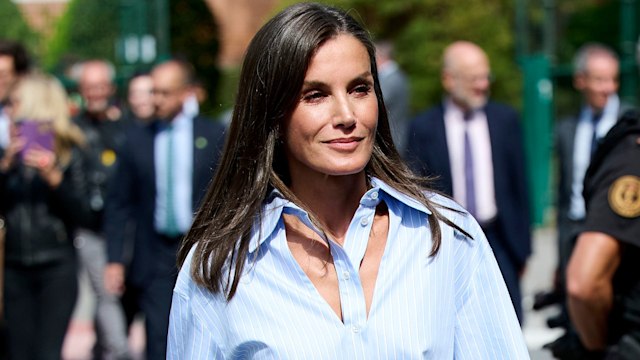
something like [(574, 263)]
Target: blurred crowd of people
[(113, 189), (107, 188)]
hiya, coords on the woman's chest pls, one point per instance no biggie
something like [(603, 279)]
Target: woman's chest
[(412, 310)]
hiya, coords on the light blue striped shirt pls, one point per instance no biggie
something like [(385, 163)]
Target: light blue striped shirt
[(451, 306)]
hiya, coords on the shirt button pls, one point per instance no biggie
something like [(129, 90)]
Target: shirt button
[(345, 275), (364, 221), (355, 329), (374, 195)]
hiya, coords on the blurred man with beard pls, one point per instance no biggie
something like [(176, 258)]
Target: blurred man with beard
[(162, 173), (475, 148)]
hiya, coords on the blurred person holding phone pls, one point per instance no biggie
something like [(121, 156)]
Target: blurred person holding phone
[(43, 191)]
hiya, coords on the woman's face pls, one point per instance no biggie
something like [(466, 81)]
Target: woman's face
[(332, 128)]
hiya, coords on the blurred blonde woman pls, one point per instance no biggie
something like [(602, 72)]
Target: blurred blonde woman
[(43, 198)]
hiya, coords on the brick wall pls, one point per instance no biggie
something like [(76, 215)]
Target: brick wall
[(42, 15)]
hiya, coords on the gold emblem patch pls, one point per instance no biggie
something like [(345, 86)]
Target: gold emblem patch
[(624, 196), (108, 157)]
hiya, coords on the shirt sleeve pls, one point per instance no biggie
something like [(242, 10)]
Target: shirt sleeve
[(189, 336), (486, 323)]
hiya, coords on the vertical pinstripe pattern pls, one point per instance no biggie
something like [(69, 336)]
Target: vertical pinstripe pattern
[(452, 306)]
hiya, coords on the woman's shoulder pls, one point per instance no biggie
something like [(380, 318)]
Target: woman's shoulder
[(185, 284), (467, 226), (442, 200), (445, 205)]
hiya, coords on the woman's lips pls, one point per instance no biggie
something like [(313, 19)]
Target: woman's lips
[(344, 144)]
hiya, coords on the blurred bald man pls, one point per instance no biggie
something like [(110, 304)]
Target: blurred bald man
[(475, 148), (103, 127)]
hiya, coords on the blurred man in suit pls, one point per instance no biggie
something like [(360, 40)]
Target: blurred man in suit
[(596, 69), (596, 77), (475, 148), (162, 173)]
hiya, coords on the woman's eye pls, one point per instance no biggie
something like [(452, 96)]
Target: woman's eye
[(362, 89), (312, 96)]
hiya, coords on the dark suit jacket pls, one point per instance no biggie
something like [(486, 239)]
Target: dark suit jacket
[(427, 154), (564, 142), (132, 197)]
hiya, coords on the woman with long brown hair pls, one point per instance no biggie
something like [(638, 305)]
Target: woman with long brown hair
[(315, 240)]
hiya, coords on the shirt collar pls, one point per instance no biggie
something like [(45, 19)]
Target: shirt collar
[(180, 122), (454, 111), (190, 106), (275, 205), (610, 109)]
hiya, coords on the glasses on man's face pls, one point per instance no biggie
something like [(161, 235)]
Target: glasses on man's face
[(165, 92)]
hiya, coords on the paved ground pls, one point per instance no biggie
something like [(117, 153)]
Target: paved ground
[(538, 277), (80, 337)]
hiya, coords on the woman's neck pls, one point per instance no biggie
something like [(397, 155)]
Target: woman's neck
[(333, 199)]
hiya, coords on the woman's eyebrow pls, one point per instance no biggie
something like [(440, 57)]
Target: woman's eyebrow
[(318, 83)]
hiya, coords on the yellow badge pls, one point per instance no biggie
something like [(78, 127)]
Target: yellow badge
[(624, 196), (108, 157)]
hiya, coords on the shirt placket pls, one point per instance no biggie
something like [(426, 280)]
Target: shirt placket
[(347, 261)]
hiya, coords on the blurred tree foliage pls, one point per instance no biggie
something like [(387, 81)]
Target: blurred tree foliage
[(14, 27), (194, 37), (421, 29), (579, 23), (593, 22), (88, 29)]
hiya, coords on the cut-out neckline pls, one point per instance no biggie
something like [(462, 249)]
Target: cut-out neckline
[(313, 256)]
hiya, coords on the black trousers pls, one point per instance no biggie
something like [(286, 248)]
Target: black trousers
[(39, 303), (153, 298)]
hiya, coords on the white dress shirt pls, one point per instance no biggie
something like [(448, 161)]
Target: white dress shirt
[(478, 128), (582, 149)]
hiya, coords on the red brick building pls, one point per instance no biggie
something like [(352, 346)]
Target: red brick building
[(42, 15)]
